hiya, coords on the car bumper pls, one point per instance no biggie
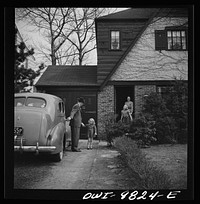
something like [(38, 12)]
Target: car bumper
[(36, 148)]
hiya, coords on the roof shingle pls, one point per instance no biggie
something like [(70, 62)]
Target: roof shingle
[(68, 76)]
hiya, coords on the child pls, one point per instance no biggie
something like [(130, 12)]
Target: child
[(91, 132), (126, 115)]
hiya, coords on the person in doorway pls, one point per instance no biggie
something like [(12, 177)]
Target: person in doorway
[(129, 103), (91, 132), (126, 116), (75, 119)]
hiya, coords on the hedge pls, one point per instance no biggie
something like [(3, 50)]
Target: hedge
[(145, 173)]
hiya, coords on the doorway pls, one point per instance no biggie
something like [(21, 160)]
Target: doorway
[(121, 93)]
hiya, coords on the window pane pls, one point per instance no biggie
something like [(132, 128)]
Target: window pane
[(60, 106), (19, 101), (182, 33), (117, 34), (169, 43), (36, 102), (169, 33), (112, 34), (174, 33), (183, 43), (115, 40)]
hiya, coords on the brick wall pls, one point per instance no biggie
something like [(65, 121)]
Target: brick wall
[(105, 106), (140, 92)]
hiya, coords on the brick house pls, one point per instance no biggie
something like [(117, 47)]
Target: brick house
[(138, 51)]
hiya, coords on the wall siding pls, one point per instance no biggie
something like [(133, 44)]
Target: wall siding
[(108, 58), (145, 63)]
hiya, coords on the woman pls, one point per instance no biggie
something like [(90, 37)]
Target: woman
[(126, 115)]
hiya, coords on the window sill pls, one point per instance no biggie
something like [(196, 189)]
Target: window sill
[(115, 50)]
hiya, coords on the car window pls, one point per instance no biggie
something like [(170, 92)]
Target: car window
[(60, 107), (63, 107), (19, 101), (35, 102)]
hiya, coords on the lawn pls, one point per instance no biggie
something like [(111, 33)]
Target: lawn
[(172, 159)]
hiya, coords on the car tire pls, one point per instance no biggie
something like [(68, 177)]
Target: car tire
[(64, 142), (58, 157)]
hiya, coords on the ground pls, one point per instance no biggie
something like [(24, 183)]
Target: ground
[(172, 159), (99, 168)]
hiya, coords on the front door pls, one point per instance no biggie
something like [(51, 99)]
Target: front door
[(121, 94)]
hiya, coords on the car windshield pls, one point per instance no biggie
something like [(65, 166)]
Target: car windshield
[(35, 102), (19, 101)]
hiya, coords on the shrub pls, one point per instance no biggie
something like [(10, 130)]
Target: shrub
[(170, 112), (115, 129), (145, 173), (143, 130)]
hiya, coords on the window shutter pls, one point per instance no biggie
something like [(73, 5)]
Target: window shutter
[(160, 40)]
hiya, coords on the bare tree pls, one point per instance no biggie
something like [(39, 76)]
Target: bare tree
[(84, 29), (69, 32), (52, 22)]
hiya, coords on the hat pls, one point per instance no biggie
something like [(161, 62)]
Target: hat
[(82, 100)]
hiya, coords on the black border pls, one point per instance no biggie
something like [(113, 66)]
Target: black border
[(9, 192)]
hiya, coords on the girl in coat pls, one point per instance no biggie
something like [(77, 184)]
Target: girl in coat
[(91, 132)]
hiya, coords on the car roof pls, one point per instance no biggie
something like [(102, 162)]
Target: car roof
[(36, 94)]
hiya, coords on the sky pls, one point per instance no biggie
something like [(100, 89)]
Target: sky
[(33, 39)]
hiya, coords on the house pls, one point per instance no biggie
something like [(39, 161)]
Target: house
[(139, 50)]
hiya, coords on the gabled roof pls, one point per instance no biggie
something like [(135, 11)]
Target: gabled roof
[(68, 76), (148, 13), (133, 13)]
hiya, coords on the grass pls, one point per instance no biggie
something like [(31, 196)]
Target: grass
[(158, 167), (173, 160)]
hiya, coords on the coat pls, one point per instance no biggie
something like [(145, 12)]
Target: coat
[(76, 116)]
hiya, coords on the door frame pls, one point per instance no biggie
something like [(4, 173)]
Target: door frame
[(130, 91)]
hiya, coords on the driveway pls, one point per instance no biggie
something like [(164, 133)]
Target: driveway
[(99, 168)]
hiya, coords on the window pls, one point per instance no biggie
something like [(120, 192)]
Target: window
[(19, 101), (61, 107), (171, 38), (176, 40), (115, 40), (164, 90), (35, 102)]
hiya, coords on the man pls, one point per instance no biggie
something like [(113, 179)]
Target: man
[(75, 123), (129, 103)]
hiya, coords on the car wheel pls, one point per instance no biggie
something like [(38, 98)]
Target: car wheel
[(58, 157)]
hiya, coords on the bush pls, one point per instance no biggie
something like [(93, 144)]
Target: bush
[(143, 130), (169, 113), (145, 173), (115, 129)]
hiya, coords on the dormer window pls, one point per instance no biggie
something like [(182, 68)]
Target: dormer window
[(115, 40)]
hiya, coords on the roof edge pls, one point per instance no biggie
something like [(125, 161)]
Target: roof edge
[(128, 50)]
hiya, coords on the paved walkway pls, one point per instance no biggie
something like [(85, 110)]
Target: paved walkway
[(99, 168)]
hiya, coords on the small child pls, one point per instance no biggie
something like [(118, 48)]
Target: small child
[(126, 115), (91, 132)]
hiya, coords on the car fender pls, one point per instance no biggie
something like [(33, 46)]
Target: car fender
[(57, 136)]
